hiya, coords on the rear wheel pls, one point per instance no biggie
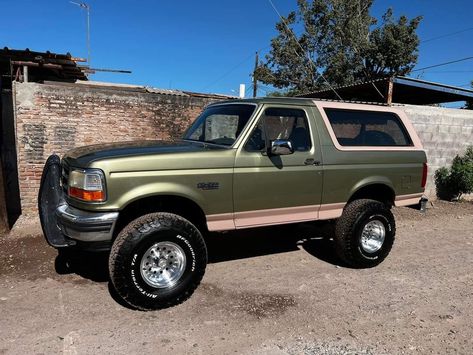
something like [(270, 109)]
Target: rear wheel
[(157, 261), (364, 234)]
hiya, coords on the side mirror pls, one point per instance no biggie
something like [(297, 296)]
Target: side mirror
[(281, 147)]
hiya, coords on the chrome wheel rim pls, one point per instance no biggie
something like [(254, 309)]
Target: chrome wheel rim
[(163, 264), (372, 236)]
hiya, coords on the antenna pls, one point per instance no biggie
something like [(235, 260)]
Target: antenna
[(86, 7)]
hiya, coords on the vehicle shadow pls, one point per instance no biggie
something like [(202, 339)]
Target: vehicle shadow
[(314, 238), (89, 265)]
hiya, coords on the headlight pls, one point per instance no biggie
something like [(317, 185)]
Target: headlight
[(87, 185)]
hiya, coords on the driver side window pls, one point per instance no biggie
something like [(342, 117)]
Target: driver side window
[(217, 127), (281, 123)]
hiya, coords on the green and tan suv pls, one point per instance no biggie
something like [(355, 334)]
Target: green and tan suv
[(241, 164)]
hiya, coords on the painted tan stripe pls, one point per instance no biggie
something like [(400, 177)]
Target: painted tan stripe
[(220, 222), (266, 217), (331, 210), (276, 216), (259, 218), (407, 200)]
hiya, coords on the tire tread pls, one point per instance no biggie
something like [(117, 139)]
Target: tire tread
[(126, 242), (345, 245)]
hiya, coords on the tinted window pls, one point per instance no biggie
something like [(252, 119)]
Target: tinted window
[(367, 128), (281, 123), (220, 124)]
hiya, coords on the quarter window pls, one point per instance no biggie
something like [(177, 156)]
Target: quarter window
[(281, 123), (354, 128)]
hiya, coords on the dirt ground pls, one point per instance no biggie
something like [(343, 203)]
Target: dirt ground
[(266, 291)]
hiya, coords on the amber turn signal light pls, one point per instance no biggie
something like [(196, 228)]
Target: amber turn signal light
[(89, 196)]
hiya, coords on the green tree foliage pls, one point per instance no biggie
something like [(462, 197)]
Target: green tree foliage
[(340, 40), (452, 182)]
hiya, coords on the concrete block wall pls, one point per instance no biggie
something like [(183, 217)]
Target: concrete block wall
[(53, 118), (444, 132)]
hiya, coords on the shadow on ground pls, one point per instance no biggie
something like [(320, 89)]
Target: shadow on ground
[(314, 238)]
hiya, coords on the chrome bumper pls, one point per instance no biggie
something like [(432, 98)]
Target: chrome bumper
[(85, 226), (65, 226)]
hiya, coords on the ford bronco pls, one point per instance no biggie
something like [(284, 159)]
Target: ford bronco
[(241, 164)]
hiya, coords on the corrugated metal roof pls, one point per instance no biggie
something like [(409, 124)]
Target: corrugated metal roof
[(403, 90)]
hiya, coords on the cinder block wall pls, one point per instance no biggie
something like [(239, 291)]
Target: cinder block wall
[(52, 118), (444, 132)]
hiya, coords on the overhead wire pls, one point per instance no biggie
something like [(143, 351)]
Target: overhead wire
[(442, 64), (228, 72), (308, 57), (447, 35)]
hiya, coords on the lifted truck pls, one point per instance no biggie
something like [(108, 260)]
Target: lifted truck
[(241, 164)]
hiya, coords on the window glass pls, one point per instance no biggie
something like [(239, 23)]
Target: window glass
[(367, 128), (281, 123), (220, 124)]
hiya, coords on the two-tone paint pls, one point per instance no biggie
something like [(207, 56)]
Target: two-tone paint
[(250, 189)]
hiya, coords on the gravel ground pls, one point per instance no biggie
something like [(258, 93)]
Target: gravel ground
[(266, 291)]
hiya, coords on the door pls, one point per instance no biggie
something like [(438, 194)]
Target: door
[(278, 189)]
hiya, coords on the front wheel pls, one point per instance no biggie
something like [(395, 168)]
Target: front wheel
[(157, 261), (364, 234)]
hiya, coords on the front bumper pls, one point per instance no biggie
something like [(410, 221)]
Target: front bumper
[(85, 226), (66, 226)]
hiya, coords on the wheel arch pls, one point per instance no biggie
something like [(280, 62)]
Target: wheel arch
[(382, 191), (182, 206)]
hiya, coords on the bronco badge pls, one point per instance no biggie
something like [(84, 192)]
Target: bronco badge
[(208, 185)]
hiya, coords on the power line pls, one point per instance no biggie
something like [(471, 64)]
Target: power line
[(308, 57), (446, 35), (228, 72), (442, 64), (233, 68), (451, 71)]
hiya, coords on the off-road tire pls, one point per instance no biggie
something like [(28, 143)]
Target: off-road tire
[(349, 227), (133, 242)]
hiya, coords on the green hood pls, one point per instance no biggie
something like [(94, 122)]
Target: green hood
[(86, 155)]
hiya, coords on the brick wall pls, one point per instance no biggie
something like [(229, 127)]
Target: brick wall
[(52, 118), (444, 132)]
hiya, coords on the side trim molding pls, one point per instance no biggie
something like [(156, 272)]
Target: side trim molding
[(249, 219), (220, 222), (407, 200), (274, 216), (331, 210)]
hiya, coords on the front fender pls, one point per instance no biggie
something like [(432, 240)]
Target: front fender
[(161, 188)]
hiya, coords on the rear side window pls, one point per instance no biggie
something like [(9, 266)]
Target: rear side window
[(354, 128)]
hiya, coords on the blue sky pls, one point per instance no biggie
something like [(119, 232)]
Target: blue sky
[(207, 46)]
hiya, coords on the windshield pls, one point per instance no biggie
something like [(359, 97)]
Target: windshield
[(221, 124)]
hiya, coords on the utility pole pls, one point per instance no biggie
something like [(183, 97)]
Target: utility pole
[(86, 7), (255, 80)]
